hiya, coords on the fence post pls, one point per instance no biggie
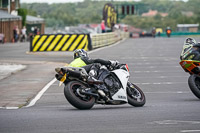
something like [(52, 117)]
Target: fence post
[(89, 42), (31, 41)]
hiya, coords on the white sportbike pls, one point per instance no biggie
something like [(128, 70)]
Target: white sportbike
[(114, 89)]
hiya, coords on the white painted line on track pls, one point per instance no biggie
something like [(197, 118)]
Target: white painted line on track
[(174, 122), (156, 71), (160, 77), (39, 95), (169, 92), (161, 83), (9, 107), (189, 131)]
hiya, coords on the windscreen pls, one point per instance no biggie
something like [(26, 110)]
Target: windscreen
[(187, 46)]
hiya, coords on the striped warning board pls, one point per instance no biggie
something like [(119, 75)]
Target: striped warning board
[(60, 42)]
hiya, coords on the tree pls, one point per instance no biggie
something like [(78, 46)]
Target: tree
[(22, 12), (90, 11)]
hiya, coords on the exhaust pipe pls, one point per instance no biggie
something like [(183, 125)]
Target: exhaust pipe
[(89, 93)]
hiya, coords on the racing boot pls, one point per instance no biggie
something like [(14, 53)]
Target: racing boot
[(92, 80)]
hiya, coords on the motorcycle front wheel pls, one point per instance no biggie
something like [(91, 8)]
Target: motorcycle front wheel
[(135, 95), (194, 84), (73, 94)]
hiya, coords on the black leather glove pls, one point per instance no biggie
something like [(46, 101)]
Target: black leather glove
[(114, 63)]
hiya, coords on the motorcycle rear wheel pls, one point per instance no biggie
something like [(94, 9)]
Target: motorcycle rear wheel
[(135, 95), (194, 84), (75, 98)]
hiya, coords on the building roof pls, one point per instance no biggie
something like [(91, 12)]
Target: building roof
[(152, 13), (33, 20), (5, 16), (188, 14), (187, 25)]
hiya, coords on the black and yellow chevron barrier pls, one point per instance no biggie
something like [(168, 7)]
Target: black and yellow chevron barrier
[(60, 42)]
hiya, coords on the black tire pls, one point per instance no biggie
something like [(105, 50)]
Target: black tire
[(194, 84), (76, 99), (135, 95)]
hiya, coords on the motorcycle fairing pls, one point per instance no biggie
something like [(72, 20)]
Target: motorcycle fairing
[(187, 47), (120, 95), (123, 76), (186, 50), (190, 65)]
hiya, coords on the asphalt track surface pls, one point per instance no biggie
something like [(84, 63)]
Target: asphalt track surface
[(154, 66)]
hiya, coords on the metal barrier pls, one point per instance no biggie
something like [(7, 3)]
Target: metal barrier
[(70, 42), (181, 34), (60, 42), (104, 39)]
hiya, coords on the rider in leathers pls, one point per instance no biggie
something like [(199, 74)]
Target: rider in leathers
[(191, 50), (92, 66)]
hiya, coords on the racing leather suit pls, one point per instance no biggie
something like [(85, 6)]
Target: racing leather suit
[(90, 65), (194, 53)]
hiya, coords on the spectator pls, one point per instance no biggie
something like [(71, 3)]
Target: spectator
[(23, 34), (1, 37), (16, 33), (153, 32), (159, 33), (103, 28), (35, 30), (38, 31)]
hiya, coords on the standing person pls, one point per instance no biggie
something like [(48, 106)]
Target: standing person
[(38, 31), (16, 33), (153, 32), (103, 27), (159, 33), (23, 34), (35, 30)]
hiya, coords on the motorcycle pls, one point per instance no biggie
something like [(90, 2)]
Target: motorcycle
[(168, 31), (191, 66), (115, 86)]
